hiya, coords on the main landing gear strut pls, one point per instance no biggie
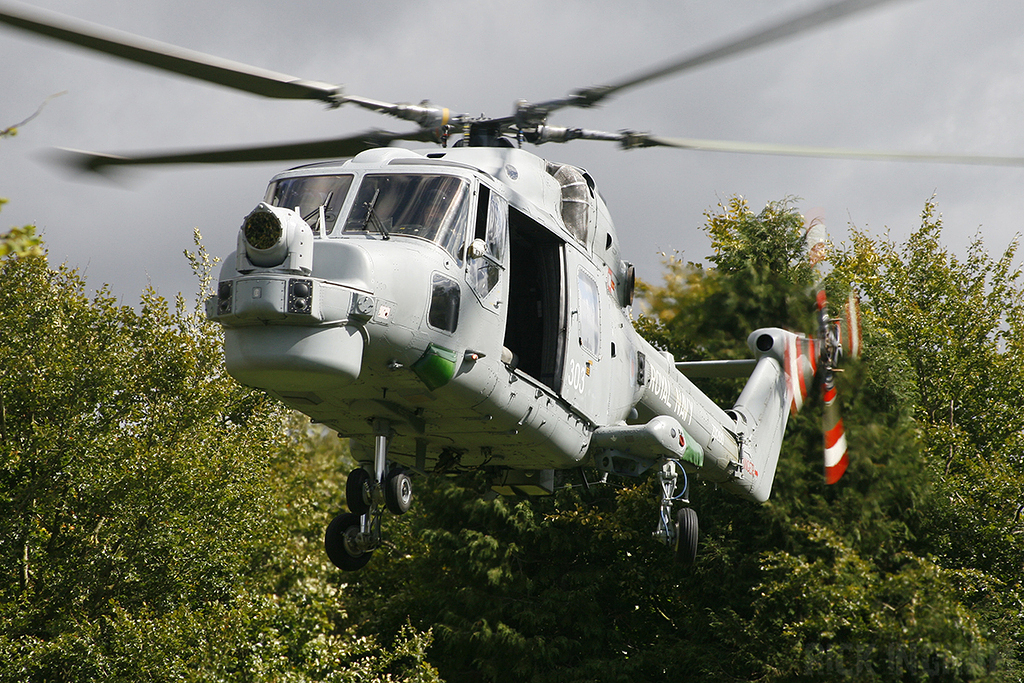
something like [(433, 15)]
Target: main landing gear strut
[(352, 536), (683, 533)]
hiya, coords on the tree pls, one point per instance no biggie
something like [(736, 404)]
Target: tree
[(20, 240), (151, 523), (958, 327), (760, 279)]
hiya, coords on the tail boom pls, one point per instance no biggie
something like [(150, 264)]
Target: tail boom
[(741, 446)]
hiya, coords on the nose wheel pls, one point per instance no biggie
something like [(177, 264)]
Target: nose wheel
[(351, 537)]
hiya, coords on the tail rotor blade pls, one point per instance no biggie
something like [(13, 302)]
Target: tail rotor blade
[(836, 457), (801, 365), (850, 326)]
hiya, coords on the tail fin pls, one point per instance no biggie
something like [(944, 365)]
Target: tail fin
[(785, 370)]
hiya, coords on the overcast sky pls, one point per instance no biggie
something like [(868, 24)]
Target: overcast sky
[(916, 75)]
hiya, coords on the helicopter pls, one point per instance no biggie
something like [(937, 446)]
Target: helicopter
[(467, 306)]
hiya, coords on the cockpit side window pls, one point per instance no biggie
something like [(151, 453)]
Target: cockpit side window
[(444, 303), (432, 207), (307, 194), (492, 228)]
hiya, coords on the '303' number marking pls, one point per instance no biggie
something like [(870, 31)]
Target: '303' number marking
[(577, 378)]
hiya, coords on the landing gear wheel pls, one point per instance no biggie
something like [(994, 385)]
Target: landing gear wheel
[(398, 492), (357, 491), (343, 545), (687, 531)]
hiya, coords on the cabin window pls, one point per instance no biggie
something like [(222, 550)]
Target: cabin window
[(431, 207), (444, 303), (590, 332), (492, 228), (306, 194)]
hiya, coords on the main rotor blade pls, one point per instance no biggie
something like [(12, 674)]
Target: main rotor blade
[(319, 149), (167, 57), (588, 97), (630, 140)]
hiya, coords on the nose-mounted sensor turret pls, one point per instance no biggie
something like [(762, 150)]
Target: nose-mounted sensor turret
[(274, 237)]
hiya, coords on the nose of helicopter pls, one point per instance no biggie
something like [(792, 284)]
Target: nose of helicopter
[(286, 329), (291, 358)]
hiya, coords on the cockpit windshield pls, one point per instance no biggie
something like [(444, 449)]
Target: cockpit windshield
[(306, 194), (432, 207)]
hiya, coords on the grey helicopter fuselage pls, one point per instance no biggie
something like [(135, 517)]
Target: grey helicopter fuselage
[(474, 299)]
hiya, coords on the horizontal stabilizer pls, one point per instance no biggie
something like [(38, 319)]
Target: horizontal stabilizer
[(717, 368)]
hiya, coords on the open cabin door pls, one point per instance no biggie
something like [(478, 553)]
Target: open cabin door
[(537, 311)]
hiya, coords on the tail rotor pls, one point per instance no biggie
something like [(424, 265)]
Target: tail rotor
[(807, 358)]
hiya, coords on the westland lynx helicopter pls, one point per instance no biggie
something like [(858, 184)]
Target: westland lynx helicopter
[(467, 305)]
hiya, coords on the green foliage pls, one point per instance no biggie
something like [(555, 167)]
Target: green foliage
[(760, 280), (19, 241), (958, 326), (966, 319), (158, 521), (98, 417), (832, 609), (572, 588)]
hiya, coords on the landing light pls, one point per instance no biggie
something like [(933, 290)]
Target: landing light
[(224, 298), (299, 296)]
